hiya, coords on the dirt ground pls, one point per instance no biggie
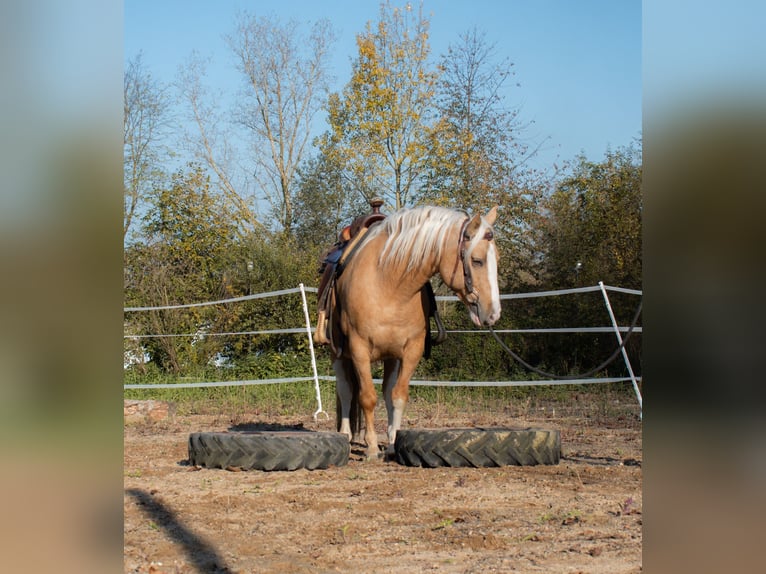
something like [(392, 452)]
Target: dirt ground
[(582, 515)]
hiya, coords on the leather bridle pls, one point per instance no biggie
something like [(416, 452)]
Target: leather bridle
[(471, 296)]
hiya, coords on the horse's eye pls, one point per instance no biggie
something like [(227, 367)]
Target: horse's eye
[(477, 262)]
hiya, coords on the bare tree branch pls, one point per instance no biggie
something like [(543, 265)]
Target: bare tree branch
[(210, 144), (286, 76), (145, 117)]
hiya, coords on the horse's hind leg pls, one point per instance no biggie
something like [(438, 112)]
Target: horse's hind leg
[(390, 375), (344, 395)]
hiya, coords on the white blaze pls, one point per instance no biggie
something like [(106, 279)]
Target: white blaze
[(492, 276)]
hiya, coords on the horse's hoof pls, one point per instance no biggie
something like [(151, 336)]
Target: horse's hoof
[(375, 456)]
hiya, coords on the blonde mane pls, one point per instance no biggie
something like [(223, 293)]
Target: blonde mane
[(416, 235)]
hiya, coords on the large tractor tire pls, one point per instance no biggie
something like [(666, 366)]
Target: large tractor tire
[(477, 447), (268, 450)]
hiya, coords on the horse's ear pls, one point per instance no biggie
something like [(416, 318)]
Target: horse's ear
[(472, 227), (491, 215)]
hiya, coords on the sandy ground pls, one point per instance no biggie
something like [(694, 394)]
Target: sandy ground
[(582, 515)]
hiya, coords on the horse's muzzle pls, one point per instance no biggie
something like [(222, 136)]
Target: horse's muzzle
[(492, 319), (481, 318), (490, 316)]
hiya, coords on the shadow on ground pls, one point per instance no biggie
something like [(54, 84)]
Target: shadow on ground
[(201, 553)]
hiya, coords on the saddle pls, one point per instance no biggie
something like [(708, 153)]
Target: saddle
[(331, 267)]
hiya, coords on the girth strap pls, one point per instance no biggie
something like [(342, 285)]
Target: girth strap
[(441, 332)]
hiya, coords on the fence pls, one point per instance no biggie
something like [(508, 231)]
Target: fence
[(315, 377)]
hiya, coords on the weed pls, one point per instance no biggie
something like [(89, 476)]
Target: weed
[(443, 524), (565, 519), (546, 517), (628, 507), (531, 537), (571, 517)]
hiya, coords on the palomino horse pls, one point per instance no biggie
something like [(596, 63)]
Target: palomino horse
[(382, 311)]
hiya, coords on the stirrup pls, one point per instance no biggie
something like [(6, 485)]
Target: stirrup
[(320, 335)]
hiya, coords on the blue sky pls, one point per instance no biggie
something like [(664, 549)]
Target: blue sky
[(578, 63), (703, 51)]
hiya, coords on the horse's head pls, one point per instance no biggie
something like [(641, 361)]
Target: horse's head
[(477, 258)]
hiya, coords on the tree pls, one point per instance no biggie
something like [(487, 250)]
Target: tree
[(379, 124), (145, 115), (211, 146), (286, 74), (325, 202), (477, 154), (594, 217), (470, 148), (187, 256)]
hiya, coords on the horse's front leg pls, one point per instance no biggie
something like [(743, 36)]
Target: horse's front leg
[(400, 393), (390, 376)]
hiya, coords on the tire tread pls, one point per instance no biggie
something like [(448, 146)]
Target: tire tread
[(268, 450), (477, 447)]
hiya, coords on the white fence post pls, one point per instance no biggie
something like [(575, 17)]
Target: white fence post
[(313, 357), (624, 352)]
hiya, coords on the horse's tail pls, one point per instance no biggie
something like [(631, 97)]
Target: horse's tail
[(355, 413)]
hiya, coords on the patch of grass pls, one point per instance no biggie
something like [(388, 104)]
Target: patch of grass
[(596, 402)]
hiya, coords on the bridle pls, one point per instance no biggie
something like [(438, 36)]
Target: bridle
[(471, 295)]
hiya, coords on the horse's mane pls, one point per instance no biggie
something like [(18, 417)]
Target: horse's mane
[(415, 235)]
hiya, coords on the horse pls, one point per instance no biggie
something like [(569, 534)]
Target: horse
[(381, 309)]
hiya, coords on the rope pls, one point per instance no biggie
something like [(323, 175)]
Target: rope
[(231, 300), (612, 357)]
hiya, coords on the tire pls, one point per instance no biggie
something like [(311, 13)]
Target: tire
[(265, 450), (477, 447)]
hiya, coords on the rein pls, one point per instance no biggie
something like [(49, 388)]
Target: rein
[(467, 278), (611, 358)]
